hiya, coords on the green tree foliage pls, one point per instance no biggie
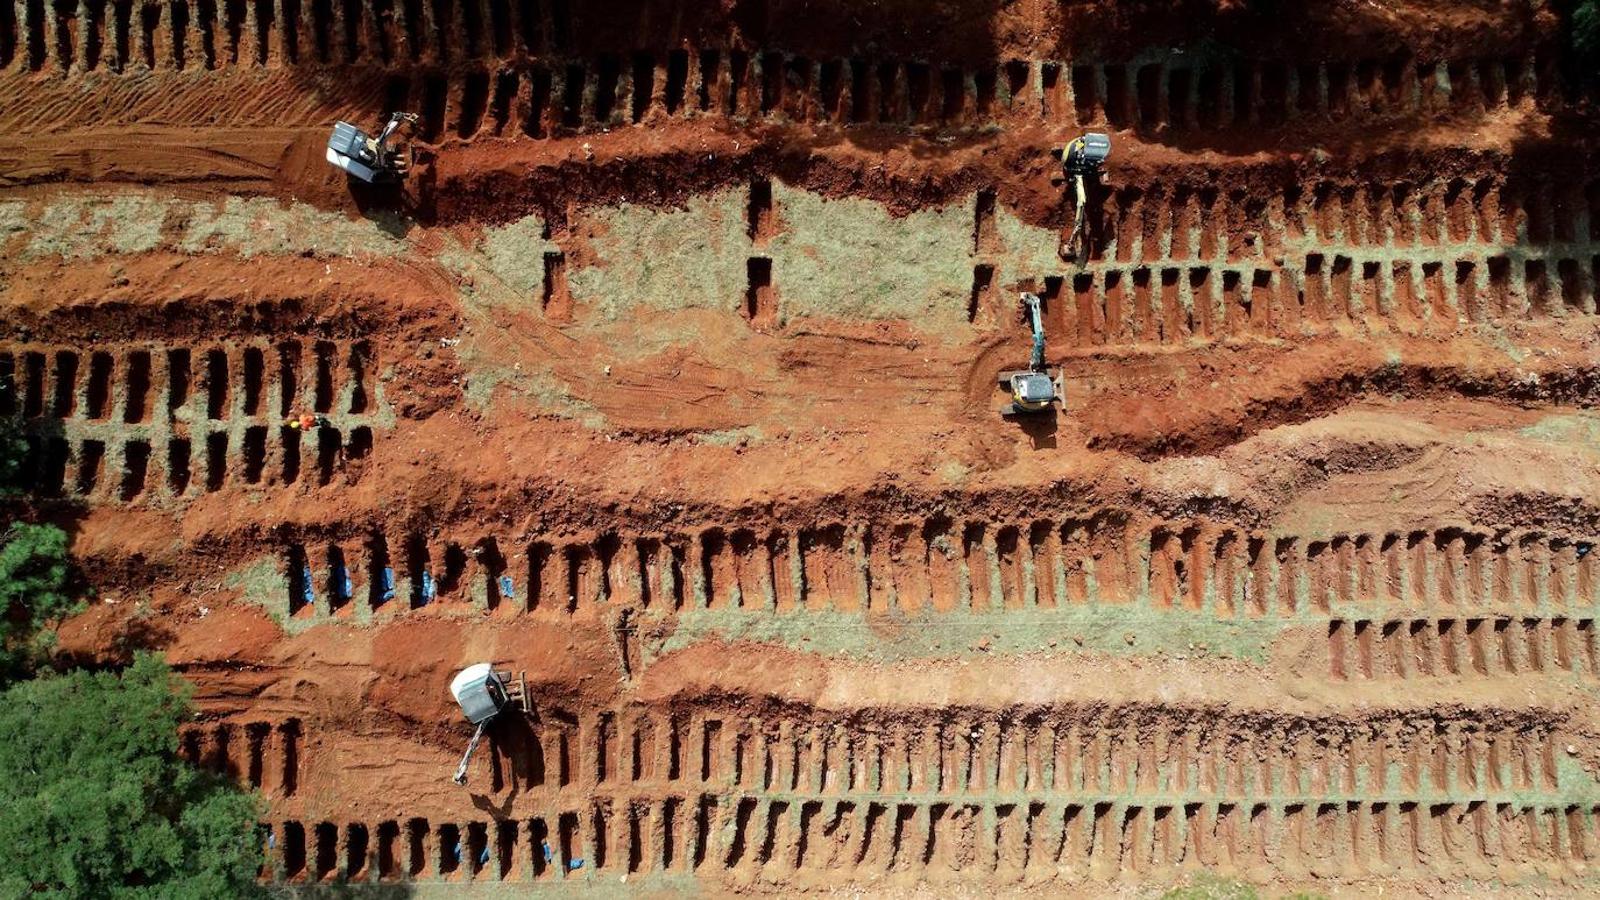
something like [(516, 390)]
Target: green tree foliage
[(1585, 34), (13, 457), (95, 801), (34, 592)]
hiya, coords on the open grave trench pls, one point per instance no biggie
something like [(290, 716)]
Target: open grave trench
[(814, 844), (1028, 795), (945, 566), (128, 423), (478, 70)]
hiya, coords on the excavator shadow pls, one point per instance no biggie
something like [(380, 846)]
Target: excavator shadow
[(1041, 428), (515, 760), (396, 208)]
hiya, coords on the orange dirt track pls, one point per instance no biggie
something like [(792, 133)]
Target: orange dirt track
[(668, 379)]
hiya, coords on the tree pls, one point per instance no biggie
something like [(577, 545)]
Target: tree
[(13, 458), (1585, 37), (33, 593), (95, 801), (34, 572)]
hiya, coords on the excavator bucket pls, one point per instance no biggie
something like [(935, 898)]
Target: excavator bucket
[(516, 686)]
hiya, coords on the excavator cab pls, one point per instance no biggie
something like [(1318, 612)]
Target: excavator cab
[(1030, 392), (372, 159), (1086, 155)]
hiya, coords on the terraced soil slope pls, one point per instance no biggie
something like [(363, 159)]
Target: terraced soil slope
[(669, 379)]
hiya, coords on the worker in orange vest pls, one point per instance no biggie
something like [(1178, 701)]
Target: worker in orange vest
[(306, 422)]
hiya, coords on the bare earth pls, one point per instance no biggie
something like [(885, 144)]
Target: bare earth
[(669, 379)]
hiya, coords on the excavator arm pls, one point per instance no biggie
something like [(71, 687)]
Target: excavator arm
[(466, 759), (1036, 319), (381, 145)]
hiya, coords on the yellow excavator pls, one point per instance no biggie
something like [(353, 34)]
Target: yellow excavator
[(1081, 161), (1033, 390)]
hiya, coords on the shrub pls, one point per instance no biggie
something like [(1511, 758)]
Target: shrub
[(1585, 33), (95, 801), (33, 592), (13, 457)]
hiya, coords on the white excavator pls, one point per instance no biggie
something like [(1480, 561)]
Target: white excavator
[(384, 159), (1034, 389), (483, 694)]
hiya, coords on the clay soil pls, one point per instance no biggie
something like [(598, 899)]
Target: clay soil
[(667, 381)]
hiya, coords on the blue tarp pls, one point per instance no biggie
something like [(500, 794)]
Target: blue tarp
[(506, 593), (307, 595), (340, 577), (386, 586), (483, 857)]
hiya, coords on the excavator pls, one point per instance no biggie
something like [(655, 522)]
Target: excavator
[(372, 159), (483, 693), (1081, 161), (1033, 390)]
